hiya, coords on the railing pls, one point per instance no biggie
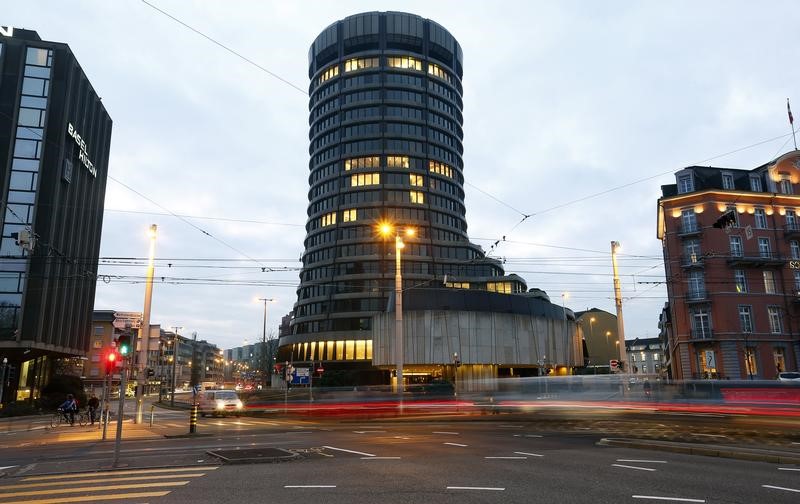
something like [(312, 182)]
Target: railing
[(692, 260), (697, 295), (690, 227), (791, 228), (699, 334)]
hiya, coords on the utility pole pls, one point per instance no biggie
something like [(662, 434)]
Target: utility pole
[(264, 343), (3, 378), (175, 343), (120, 409), (144, 331)]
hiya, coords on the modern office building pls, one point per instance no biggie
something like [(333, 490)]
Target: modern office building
[(386, 151), (731, 243), (55, 136)]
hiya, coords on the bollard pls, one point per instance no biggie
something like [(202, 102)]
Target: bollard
[(193, 420), (152, 408)]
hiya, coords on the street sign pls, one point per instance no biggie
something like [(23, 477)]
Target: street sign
[(614, 363), (123, 320), (197, 389), (301, 376)]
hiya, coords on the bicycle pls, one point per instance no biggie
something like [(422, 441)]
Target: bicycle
[(61, 417)]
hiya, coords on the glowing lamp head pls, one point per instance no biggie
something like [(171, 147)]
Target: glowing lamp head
[(111, 357), (152, 231), (385, 228), (411, 231)]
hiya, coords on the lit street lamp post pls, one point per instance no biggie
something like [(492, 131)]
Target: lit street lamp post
[(386, 230), (144, 329), (615, 247)]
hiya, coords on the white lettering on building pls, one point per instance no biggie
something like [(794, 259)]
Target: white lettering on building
[(7, 31), (83, 155)]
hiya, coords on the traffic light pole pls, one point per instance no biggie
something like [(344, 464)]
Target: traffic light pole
[(120, 410)]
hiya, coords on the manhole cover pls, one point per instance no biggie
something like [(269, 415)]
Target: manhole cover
[(254, 455)]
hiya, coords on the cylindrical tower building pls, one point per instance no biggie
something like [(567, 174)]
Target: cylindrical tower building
[(386, 146)]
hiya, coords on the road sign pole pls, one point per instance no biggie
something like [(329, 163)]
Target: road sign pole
[(120, 410)]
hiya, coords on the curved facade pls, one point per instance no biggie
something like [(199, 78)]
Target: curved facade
[(385, 146)]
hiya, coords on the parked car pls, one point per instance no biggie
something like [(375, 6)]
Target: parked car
[(789, 376)]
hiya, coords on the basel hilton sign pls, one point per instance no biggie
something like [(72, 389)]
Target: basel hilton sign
[(7, 31), (83, 156)]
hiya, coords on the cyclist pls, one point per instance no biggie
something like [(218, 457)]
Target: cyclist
[(68, 408), (93, 403)]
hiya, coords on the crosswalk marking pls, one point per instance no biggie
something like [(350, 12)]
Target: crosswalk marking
[(85, 498), (100, 480), (32, 493), (125, 472)]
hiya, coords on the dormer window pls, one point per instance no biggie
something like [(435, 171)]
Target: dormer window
[(785, 186), (685, 183), (755, 184), (727, 181)]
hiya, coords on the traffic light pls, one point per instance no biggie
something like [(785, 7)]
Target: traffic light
[(112, 360), (124, 345)]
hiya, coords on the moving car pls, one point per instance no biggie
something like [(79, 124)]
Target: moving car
[(220, 402)]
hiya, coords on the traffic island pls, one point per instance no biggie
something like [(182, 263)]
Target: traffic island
[(733, 452), (254, 456)]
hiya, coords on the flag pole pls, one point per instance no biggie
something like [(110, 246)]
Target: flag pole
[(791, 122)]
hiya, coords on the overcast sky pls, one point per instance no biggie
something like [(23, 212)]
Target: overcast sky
[(562, 100)]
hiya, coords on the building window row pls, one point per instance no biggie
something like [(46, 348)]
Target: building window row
[(365, 179), (329, 73), (328, 219), (354, 64), (404, 62), (346, 350)]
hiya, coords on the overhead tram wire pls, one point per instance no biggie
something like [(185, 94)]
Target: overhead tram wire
[(223, 46), (223, 219)]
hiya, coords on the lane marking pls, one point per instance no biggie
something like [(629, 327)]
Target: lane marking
[(112, 473), (350, 451), (380, 458), (84, 498), (679, 499), (102, 480), (707, 435), (508, 458), (781, 488), (309, 486), (456, 444), (788, 469), (367, 431), (446, 432), (528, 435), (633, 467), (6, 467), (529, 454), (31, 493), (643, 461), (497, 489)]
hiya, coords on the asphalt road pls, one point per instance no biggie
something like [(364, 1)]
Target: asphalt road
[(502, 460)]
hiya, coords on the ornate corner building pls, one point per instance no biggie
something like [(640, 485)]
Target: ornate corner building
[(731, 243), (386, 148)]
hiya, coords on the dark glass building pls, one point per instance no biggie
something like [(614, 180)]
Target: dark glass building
[(386, 147), (55, 136)]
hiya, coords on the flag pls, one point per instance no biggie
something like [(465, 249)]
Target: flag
[(789, 109)]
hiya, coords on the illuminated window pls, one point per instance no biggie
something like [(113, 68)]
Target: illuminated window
[(329, 350), (349, 215), (365, 179), (362, 162), (349, 350), (502, 287), (436, 70), (750, 361), (408, 62), (327, 219), (457, 285), (417, 197), (397, 161), (369, 349), (328, 74), (361, 346), (340, 350), (359, 64), (440, 168), (416, 180)]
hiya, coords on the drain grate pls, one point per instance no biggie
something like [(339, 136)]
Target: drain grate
[(254, 455)]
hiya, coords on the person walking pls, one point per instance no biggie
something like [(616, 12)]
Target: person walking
[(93, 403)]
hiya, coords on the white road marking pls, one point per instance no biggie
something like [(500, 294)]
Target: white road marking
[(446, 432), (367, 431), (529, 454), (508, 458), (6, 467), (781, 488), (309, 486), (643, 461), (528, 435), (512, 426), (350, 451), (380, 458), (455, 444), (475, 488), (794, 442), (780, 469), (679, 499), (402, 437), (633, 467), (707, 435)]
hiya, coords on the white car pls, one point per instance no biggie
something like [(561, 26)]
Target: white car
[(219, 402), (789, 376)]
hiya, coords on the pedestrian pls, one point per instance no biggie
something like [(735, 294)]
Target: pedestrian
[(93, 404), (646, 388)]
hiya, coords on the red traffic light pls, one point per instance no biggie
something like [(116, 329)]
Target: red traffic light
[(112, 356)]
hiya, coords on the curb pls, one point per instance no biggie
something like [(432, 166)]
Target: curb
[(105, 470), (255, 460), (705, 450)]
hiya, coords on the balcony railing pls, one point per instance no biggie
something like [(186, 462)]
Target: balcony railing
[(692, 260), (688, 228), (791, 229), (760, 260), (698, 333), (696, 296)]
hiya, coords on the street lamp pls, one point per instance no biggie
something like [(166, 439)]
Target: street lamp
[(175, 343), (386, 230), (615, 247), (144, 329), (264, 341)]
